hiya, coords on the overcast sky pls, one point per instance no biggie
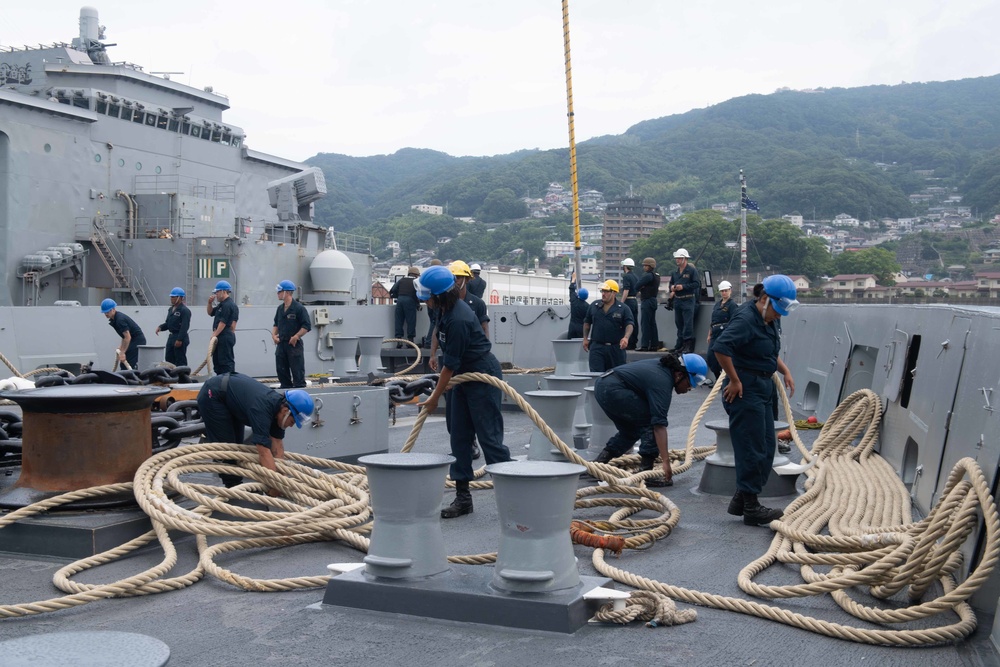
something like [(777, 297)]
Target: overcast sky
[(482, 77)]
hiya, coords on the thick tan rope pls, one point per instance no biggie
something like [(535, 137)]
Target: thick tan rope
[(208, 357), (10, 365)]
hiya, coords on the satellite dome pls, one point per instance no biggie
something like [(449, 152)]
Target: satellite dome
[(332, 274)]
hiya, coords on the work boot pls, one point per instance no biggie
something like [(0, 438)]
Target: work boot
[(462, 504), (736, 504), (689, 345), (755, 514), (605, 456), (476, 453), (646, 462)]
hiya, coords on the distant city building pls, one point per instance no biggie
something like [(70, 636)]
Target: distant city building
[(428, 208), (560, 248), (795, 219), (626, 221)]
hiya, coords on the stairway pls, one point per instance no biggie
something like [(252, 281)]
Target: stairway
[(122, 275)]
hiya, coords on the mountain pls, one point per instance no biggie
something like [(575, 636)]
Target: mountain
[(819, 152)]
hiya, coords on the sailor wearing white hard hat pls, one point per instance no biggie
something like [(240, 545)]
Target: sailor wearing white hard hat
[(723, 310), (476, 285), (685, 285), (630, 282)]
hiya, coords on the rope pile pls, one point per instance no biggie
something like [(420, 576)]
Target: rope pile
[(850, 533)]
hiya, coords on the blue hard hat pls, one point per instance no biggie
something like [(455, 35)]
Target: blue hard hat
[(108, 305), (696, 367), (422, 292), (301, 405), (222, 285), (177, 291), (781, 292), (285, 286), (438, 279), (583, 293)]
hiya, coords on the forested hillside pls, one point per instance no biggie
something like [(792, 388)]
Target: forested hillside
[(820, 153)]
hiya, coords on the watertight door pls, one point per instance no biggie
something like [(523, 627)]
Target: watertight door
[(893, 364)]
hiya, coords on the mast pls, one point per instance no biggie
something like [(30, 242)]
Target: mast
[(572, 145), (743, 237)]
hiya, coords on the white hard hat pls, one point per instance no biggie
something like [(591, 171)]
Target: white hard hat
[(725, 284), (476, 267), (628, 261), (681, 252)]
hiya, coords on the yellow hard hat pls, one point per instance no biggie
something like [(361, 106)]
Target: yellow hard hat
[(609, 285), (460, 268)]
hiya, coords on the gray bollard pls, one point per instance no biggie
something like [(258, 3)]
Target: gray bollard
[(535, 503), (592, 378), (601, 426), (568, 353), (345, 349), (149, 356), (371, 354), (406, 491), (719, 476), (581, 424), (556, 408)]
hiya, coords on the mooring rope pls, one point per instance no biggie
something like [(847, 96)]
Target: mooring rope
[(849, 533)]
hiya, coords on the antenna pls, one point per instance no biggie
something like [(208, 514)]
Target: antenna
[(166, 75)]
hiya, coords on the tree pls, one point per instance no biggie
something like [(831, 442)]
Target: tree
[(501, 204), (877, 261)]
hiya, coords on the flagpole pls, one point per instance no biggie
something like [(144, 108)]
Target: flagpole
[(743, 237)]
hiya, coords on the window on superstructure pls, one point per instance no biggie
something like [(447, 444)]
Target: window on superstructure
[(195, 131), (161, 122), (173, 125), (206, 134), (101, 107), (227, 138), (217, 136), (114, 110), (81, 102), (138, 117), (185, 128)]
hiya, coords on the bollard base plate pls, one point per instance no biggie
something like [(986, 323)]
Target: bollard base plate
[(463, 593), (721, 480)]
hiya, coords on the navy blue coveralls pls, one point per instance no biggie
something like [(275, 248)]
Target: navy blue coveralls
[(685, 303), (630, 283), (178, 323), (721, 315), (577, 311), (223, 356), (754, 348), (405, 295), (606, 331), (476, 286), (121, 323), (474, 406), (636, 397), (290, 362), (648, 287), (231, 401)]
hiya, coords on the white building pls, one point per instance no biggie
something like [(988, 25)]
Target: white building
[(794, 219), (428, 208), (844, 220)]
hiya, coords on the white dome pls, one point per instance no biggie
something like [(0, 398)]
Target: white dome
[(331, 271)]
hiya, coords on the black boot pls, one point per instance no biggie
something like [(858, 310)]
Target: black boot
[(755, 514), (605, 456), (736, 504), (689, 345), (476, 452), (462, 504), (646, 462)]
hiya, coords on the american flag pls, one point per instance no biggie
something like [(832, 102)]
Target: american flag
[(748, 203)]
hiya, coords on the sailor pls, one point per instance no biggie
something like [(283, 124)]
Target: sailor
[(477, 285), (684, 288), (721, 314), (648, 287), (226, 314), (406, 305), (636, 397), (230, 401), (291, 323), (431, 315), (612, 325), (577, 309), (629, 291), (475, 406), (462, 274), (131, 335), (747, 350), (178, 323)]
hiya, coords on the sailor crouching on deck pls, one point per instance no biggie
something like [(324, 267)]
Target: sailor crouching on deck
[(291, 323), (474, 407), (230, 401), (612, 325), (226, 314), (747, 350), (636, 397), (130, 333), (178, 323)]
